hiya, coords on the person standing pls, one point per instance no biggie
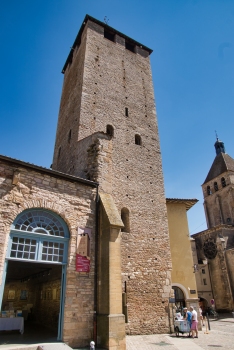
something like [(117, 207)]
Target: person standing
[(194, 325), (188, 318), (201, 316)]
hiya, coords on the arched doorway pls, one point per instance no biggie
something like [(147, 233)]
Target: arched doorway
[(203, 303), (35, 269), (179, 299)]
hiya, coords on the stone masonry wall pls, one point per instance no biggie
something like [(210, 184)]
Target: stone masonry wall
[(220, 281), (69, 112), (21, 188), (117, 91), (229, 255), (220, 266)]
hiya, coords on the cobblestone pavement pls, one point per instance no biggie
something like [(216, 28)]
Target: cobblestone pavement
[(221, 335)]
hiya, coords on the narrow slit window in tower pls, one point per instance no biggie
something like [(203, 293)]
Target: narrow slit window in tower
[(216, 186), (69, 136), (126, 112), (138, 140), (59, 152), (208, 190)]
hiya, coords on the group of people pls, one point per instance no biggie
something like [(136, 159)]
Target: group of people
[(191, 317)]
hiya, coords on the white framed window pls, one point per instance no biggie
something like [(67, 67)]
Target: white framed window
[(23, 248), (40, 235)]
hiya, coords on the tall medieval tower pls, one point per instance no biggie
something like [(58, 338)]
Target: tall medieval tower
[(107, 132)]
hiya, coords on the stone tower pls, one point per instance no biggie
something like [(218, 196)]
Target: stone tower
[(107, 132), (216, 244), (218, 189)]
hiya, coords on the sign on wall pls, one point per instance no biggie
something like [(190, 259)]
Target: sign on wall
[(82, 263), (83, 250)]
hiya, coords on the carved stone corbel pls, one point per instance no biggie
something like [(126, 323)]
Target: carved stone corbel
[(16, 177)]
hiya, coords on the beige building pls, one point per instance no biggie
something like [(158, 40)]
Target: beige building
[(215, 246), (182, 275)]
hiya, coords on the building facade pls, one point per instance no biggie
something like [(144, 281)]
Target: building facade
[(107, 251), (43, 215), (183, 278), (215, 246)]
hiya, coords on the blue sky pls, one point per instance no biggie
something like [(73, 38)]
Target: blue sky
[(193, 74)]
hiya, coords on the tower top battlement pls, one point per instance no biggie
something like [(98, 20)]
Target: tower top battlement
[(129, 43)]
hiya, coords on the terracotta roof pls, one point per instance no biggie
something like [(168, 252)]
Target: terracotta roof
[(188, 202), (222, 163)]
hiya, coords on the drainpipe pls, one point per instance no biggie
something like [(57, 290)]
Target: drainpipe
[(96, 268)]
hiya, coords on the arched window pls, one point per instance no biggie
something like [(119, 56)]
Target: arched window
[(137, 140), (208, 190), (223, 182), (110, 130), (40, 235), (216, 186), (125, 219)]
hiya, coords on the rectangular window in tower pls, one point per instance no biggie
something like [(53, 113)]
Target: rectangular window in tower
[(129, 47), (126, 112), (203, 271), (204, 281), (108, 35)]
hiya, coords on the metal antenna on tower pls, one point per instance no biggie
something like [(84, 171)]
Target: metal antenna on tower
[(106, 20), (216, 135)]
